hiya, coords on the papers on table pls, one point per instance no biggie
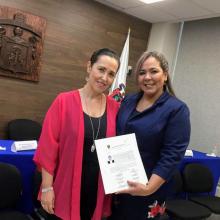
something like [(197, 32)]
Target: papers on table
[(211, 155), (119, 161), (2, 148), (24, 145), (189, 153)]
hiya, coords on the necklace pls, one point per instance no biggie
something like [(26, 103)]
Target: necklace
[(94, 137), (93, 133)]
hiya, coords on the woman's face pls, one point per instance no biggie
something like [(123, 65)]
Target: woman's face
[(102, 73), (151, 78)]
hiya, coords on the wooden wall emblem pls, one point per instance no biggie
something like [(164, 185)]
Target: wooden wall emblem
[(21, 44)]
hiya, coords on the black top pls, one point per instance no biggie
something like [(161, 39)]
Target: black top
[(90, 166)]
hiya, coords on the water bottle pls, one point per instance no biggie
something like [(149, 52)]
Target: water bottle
[(215, 150)]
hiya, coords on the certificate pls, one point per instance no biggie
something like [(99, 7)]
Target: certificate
[(119, 161)]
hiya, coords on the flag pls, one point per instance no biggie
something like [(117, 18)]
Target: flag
[(117, 90)]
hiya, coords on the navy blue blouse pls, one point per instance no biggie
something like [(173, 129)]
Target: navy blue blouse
[(162, 131)]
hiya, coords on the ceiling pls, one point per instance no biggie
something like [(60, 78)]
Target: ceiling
[(167, 10)]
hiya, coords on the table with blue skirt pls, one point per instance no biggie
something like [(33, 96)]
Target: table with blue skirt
[(23, 160)]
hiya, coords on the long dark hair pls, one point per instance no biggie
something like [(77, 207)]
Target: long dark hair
[(163, 64), (104, 51)]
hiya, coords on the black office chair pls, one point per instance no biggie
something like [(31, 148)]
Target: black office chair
[(23, 129), (10, 192), (198, 179), (178, 208)]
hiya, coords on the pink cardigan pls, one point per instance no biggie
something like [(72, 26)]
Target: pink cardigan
[(60, 152)]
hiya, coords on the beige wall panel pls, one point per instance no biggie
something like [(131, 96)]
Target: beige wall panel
[(74, 29)]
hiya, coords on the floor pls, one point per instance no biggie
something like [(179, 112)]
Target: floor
[(35, 217), (214, 217)]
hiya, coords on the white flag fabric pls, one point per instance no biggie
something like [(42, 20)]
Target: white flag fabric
[(117, 90)]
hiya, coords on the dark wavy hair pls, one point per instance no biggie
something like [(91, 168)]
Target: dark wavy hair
[(104, 51)]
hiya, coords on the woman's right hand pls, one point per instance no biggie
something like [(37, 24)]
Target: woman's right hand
[(47, 192), (47, 201)]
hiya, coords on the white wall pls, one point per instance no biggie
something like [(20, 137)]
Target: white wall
[(197, 73), (164, 38), (197, 80)]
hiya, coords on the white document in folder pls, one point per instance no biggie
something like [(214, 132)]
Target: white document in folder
[(119, 161)]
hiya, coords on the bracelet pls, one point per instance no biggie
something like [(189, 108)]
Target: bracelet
[(47, 189)]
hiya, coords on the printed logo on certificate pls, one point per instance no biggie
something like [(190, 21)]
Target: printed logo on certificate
[(119, 161)]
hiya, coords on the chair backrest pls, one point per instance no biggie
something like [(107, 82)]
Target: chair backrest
[(10, 185), (197, 178), (23, 129), (37, 179), (177, 184)]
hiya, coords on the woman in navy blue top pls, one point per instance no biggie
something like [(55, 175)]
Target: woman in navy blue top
[(162, 127)]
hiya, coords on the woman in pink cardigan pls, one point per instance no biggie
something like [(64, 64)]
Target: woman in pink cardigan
[(72, 187)]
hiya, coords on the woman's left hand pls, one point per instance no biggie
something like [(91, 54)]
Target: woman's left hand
[(136, 189)]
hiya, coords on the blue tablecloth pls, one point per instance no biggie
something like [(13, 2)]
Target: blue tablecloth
[(213, 163), (23, 161)]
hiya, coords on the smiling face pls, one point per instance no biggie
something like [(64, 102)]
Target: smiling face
[(102, 73), (151, 78)]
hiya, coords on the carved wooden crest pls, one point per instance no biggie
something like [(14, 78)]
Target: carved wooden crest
[(21, 44)]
